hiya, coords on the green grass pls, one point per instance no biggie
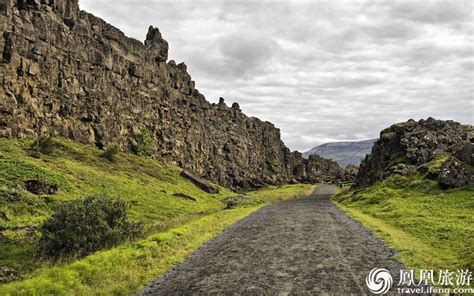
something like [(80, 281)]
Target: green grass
[(431, 228), (175, 226), (280, 193), (126, 269)]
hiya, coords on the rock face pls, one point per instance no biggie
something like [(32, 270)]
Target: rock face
[(455, 173), (66, 71), (320, 169), (407, 147)]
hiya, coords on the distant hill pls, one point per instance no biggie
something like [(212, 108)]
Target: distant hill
[(344, 153)]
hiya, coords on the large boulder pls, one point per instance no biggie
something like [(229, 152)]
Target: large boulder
[(406, 146), (319, 169), (40, 188), (455, 173), (199, 182)]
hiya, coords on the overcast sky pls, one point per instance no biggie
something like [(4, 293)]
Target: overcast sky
[(325, 71)]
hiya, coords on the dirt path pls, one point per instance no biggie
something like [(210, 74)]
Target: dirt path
[(304, 246)]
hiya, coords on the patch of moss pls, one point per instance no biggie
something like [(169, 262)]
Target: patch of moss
[(434, 166), (396, 158)]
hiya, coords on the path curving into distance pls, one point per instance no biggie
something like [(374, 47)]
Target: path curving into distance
[(302, 246)]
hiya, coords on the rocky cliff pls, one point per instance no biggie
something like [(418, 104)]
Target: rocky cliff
[(66, 71), (411, 147)]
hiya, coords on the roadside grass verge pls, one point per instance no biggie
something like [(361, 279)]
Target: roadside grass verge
[(275, 194), (174, 226), (126, 269), (429, 227)]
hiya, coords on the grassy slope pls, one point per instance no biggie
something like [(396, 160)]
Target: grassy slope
[(176, 226), (431, 228)]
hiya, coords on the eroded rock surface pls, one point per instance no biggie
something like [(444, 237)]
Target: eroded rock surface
[(408, 147), (67, 71)]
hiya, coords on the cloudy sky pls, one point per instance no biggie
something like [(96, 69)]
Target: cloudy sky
[(320, 71)]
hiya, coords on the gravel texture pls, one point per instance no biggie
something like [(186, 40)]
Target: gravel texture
[(302, 246)]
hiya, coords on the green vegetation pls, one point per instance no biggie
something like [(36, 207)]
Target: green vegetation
[(126, 269), (235, 201), (81, 227), (110, 153), (173, 226), (396, 158), (281, 193), (269, 195), (435, 165), (42, 145), (144, 143), (431, 228)]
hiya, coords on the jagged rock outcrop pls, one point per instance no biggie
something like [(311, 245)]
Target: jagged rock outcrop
[(350, 174), (66, 71), (455, 173), (320, 169), (405, 148)]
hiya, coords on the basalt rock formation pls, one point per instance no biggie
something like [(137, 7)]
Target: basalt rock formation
[(68, 72), (318, 169), (409, 147)]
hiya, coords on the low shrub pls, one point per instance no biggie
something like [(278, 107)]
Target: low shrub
[(144, 143), (81, 227), (43, 145), (110, 153), (10, 195)]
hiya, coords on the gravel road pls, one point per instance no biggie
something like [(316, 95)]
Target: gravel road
[(302, 246)]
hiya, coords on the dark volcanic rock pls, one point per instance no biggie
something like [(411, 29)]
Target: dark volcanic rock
[(407, 147), (8, 275), (71, 73), (157, 47), (67, 71), (319, 169), (199, 182), (350, 173), (401, 169), (38, 187), (185, 196), (455, 173), (465, 153)]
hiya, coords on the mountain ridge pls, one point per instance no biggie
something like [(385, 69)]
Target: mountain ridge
[(345, 152)]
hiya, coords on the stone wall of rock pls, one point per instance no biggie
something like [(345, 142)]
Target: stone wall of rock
[(317, 169), (406, 148), (66, 71)]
